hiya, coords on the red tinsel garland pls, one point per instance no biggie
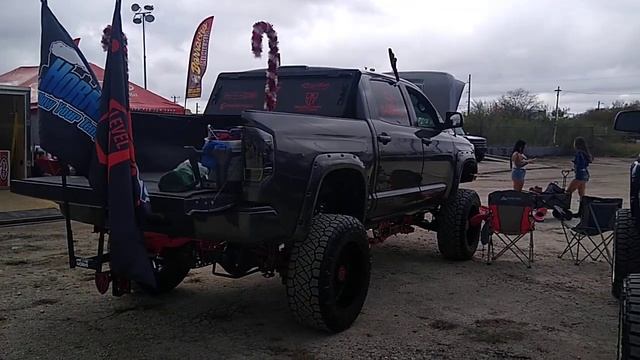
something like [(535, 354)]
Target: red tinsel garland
[(273, 62)]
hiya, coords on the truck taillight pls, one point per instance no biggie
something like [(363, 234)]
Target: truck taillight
[(258, 155)]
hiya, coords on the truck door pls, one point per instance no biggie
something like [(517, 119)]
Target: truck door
[(439, 161), (399, 170)]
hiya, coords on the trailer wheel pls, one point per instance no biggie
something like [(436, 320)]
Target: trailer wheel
[(170, 269), (328, 275), (629, 319), (457, 239), (626, 250)]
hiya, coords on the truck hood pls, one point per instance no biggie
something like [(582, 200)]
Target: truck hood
[(443, 89), (474, 138)]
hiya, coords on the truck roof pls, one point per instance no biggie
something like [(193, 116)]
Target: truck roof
[(313, 90), (303, 89), (292, 70)]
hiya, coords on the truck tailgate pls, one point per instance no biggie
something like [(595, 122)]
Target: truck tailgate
[(79, 192)]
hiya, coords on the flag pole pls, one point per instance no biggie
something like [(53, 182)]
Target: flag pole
[(186, 85)]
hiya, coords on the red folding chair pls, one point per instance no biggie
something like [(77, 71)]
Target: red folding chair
[(511, 221)]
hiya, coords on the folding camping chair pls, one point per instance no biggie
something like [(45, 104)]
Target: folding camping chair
[(597, 217), (511, 220)]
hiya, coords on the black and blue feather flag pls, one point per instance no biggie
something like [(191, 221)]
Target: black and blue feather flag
[(68, 97), (115, 175)]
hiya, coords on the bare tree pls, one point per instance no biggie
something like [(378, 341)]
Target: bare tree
[(519, 103)]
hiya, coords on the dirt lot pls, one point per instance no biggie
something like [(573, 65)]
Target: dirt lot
[(419, 306)]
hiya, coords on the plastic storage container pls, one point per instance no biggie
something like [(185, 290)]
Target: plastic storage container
[(223, 158)]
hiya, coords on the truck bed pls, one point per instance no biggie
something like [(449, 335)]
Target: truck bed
[(79, 192)]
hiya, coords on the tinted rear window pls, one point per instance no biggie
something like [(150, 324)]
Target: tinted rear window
[(317, 95)]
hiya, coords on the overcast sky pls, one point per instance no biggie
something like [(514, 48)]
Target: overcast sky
[(587, 47)]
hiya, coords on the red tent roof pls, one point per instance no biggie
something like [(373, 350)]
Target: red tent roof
[(139, 98)]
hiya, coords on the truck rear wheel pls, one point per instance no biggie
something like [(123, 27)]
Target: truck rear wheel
[(626, 250), (457, 239), (629, 319), (170, 269), (328, 276)]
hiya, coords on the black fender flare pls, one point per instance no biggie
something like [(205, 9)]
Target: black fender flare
[(463, 164), (458, 169), (322, 166)]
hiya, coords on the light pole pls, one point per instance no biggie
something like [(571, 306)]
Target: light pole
[(141, 16)]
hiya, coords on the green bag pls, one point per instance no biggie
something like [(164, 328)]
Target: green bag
[(181, 178)]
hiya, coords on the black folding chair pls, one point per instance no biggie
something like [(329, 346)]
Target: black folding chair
[(597, 217), (511, 220)]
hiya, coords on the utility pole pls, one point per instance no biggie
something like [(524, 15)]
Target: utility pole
[(598, 109), (175, 98), (555, 125), (469, 97)]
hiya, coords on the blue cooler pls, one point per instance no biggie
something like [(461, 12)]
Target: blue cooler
[(223, 158)]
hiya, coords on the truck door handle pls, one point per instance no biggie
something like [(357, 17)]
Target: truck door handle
[(384, 138), (426, 141)]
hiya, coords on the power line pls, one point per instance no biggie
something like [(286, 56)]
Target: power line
[(601, 93), (540, 80)]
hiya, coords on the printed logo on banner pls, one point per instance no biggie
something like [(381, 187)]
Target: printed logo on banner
[(67, 89)]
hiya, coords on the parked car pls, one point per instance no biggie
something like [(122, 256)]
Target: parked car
[(479, 143)]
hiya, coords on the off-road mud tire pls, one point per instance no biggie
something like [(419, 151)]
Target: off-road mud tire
[(629, 319), (457, 240), (328, 275), (626, 250)]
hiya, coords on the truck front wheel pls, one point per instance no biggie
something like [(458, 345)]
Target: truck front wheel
[(457, 239), (328, 276), (626, 250)]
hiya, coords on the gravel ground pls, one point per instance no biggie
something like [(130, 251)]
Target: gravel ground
[(419, 305)]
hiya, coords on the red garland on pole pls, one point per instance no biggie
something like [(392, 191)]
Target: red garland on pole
[(105, 40), (271, 87)]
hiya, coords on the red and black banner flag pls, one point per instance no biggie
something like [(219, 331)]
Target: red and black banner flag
[(115, 175), (68, 96), (198, 58)]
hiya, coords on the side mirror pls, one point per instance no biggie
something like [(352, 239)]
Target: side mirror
[(424, 133), (453, 120), (628, 121)]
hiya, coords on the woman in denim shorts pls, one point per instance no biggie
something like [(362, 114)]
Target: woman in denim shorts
[(581, 167), (517, 164)]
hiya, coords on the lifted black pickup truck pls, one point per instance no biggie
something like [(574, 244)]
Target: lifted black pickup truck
[(345, 151), (625, 279)]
